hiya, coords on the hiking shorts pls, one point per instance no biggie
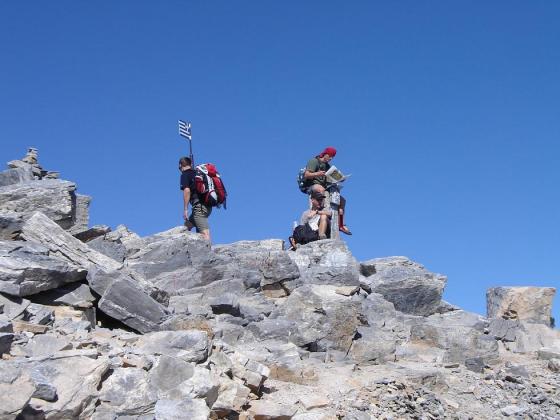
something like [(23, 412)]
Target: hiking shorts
[(199, 216)]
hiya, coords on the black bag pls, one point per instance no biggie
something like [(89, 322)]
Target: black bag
[(303, 234)]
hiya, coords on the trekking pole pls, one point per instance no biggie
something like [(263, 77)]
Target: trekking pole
[(185, 131)]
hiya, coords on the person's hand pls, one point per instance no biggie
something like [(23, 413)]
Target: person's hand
[(320, 173), (186, 215)]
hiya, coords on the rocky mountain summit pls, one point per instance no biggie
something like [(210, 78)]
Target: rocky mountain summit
[(104, 324)]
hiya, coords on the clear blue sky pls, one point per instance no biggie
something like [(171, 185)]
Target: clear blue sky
[(446, 113)]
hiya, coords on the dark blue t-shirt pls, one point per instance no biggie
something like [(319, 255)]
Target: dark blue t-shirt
[(187, 181)]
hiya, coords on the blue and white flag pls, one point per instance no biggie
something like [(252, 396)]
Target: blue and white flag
[(185, 129)]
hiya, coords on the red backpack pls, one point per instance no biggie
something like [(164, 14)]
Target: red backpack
[(209, 185)]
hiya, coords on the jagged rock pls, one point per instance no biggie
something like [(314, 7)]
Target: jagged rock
[(554, 365), (39, 228), (323, 318), (54, 198), (460, 334), (13, 307), (232, 396), (75, 379), (530, 304), (168, 374), (5, 324), (127, 392), (273, 328), (503, 329), (373, 346), (169, 251), (190, 346), (124, 299), (27, 269), (10, 225), (189, 408), (16, 176), (92, 233), (81, 214), (16, 389), (38, 314), (408, 285), (270, 410), (531, 337), (252, 373), (549, 353), (6, 339), (111, 249), (77, 295), (326, 262)]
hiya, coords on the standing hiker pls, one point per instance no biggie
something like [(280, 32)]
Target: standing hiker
[(199, 211), (315, 180), (314, 223)]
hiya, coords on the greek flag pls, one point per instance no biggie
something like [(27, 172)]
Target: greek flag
[(185, 129)]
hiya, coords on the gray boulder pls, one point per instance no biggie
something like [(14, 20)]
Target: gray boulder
[(75, 379), (459, 334), (6, 339), (16, 389), (54, 198), (125, 300), (408, 285), (10, 225), (327, 262), (16, 176), (40, 229), (77, 295), (188, 408), (27, 269), (167, 252), (529, 304), (373, 345), (323, 318), (127, 392)]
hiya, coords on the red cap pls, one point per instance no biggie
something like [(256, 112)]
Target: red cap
[(331, 151)]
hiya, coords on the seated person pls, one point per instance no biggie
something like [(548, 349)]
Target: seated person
[(314, 223), (315, 180)]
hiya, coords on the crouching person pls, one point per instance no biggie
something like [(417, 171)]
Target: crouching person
[(314, 223)]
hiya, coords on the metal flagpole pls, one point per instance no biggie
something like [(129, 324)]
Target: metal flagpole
[(186, 132)]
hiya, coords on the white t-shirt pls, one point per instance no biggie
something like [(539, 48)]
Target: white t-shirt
[(309, 216)]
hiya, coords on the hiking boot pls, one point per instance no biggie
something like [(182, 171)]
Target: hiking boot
[(322, 237), (345, 230)]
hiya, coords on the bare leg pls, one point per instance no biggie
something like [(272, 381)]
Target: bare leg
[(206, 234), (323, 227)]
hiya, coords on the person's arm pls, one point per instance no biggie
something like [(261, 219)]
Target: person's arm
[(311, 170), (186, 200)]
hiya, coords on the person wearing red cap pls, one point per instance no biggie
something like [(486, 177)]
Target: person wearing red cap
[(317, 181)]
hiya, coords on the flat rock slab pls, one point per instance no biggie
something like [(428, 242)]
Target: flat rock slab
[(16, 389), (270, 410), (530, 304), (405, 283), (77, 295), (40, 229), (190, 345), (27, 269)]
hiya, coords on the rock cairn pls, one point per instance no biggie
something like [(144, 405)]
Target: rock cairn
[(104, 324)]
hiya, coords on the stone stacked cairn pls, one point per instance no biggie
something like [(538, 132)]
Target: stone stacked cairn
[(104, 324)]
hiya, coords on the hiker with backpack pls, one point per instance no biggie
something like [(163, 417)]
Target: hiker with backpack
[(314, 223), (313, 179), (203, 189)]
